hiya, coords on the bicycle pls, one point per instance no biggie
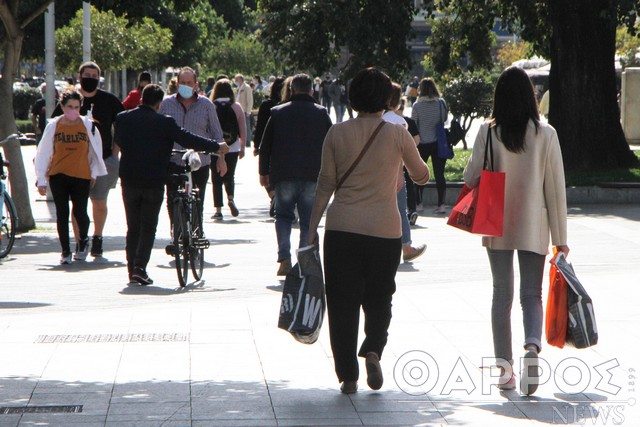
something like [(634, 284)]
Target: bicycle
[(187, 233), (8, 213)]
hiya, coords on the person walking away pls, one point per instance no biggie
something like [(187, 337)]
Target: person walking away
[(134, 97), (391, 115), (102, 107), (412, 127), (146, 137), (428, 111), (362, 239), (290, 155), (316, 89), (535, 206), (412, 90), (324, 92), (244, 96), (335, 92), (196, 114), (69, 159), (232, 121)]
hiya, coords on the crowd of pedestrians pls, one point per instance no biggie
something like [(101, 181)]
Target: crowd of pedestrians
[(372, 166)]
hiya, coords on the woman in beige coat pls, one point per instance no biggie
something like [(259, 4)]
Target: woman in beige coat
[(528, 151)]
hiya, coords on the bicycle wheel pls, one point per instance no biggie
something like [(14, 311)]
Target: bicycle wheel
[(8, 224), (180, 236), (196, 249)]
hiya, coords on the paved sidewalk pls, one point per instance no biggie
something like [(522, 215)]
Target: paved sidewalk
[(79, 338)]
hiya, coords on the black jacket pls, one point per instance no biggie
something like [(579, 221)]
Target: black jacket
[(291, 147), (146, 139)]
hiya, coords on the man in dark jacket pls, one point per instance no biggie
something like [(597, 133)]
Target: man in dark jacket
[(290, 156), (146, 139)]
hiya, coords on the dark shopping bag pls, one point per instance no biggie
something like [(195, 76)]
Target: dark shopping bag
[(557, 312), (445, 150), (480, 210), (303, 298), (582, 331)]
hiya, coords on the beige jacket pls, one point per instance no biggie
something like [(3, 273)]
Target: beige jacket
[(244, 97), (535, 202), (367, 202)]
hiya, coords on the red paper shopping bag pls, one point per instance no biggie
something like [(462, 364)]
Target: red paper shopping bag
[(481, 209), (557, 313)]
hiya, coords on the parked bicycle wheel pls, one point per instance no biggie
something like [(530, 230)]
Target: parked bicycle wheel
[(8, 224), (196, 250), (180, 233)]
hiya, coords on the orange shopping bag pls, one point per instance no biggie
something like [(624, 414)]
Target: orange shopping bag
[(557, 315)]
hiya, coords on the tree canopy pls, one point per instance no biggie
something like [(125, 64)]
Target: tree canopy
[(350, 34)]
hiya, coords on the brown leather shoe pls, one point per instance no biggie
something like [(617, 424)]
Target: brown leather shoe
[(349, 387), (285, 267), (413, 252), (374, 371)]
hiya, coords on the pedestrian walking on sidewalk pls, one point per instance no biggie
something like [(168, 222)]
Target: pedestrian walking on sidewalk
[(234, 128), (102, 107), (146, 139), (69, 157), (290, 155), (428, 111), (362, 240), (535, 205)]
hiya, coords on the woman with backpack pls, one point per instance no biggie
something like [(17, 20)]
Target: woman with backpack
[(234, 129)]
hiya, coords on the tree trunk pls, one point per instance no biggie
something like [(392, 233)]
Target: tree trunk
[(582, 84), (12, 150)]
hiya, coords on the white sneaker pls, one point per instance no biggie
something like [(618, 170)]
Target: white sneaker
[(440, 209), (419, 207), (82, 251), (65, 259)]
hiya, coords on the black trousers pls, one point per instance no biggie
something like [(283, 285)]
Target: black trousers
[(142, 207), (228, 180), (359, 272), (431, 150), (63, 188), (199, 178)]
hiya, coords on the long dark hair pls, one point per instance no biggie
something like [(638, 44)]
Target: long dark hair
[(223, 89), (514, 104)]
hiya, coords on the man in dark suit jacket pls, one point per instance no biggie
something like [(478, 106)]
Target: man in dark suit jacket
[(290, 157), (146, 138)]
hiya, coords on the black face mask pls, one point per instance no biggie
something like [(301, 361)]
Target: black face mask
[(88, 84)]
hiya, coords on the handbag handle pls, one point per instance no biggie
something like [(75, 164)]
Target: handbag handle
[(488, 150), (362, 153)]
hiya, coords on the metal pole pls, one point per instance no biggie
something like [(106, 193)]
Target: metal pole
[(123, 84), (86, 31), (49, 57)]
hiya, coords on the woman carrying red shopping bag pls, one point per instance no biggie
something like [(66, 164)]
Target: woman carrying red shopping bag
[(535, 207)]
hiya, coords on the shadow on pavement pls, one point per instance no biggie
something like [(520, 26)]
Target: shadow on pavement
[(21, 304), (157, 289)]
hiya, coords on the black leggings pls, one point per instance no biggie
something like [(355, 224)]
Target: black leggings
[(228, 180), (359, 271), (431, 150), (63, 188)]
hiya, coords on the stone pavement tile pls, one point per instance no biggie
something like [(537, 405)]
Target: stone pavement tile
[(83, 362), (206, 409), (249, 392), (379, 403), (10, 420), (60, 420), (305, 411), (95, 403), (139, 423), (143, 361), (319, 422), (234, 423), (149, 411), (24, 360), (401, 418), (151, 391), (494, 413)]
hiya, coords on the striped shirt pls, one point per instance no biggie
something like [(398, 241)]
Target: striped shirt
[(428, 112), (200, 119)]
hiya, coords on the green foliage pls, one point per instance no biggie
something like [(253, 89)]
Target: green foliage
[(318, 35), (24, 126), (240, 53), (627, 45), (115, 43), (469, 97), (23, 99), (512, 52)]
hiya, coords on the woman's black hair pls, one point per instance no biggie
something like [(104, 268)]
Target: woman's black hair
[(369, 91), (276, 88), (514, 104)]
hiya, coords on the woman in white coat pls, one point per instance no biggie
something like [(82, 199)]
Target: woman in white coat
[(535, 206), (69, 158)]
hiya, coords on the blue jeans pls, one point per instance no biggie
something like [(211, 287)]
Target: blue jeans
[(288, 195), (402, 207), (531, 272)]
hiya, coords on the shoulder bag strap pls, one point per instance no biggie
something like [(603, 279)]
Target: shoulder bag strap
[(360, 156), (440, 103), (488, 151)]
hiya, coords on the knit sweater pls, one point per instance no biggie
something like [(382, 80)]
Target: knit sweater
[(535, 202), (367, 202), (428, 112)]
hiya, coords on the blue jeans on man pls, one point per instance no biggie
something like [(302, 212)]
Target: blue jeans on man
[(289, 195)]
